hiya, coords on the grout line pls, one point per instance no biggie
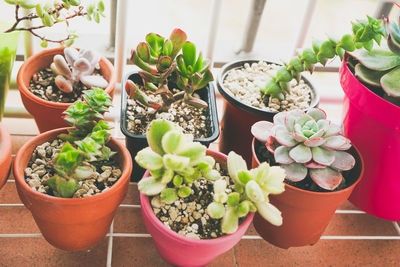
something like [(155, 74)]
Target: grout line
[(10, 181), (129, 206), (130, 235), (20, 235), (397, 227), (234, 257), (12, 205), (110, 245), (349, 212)]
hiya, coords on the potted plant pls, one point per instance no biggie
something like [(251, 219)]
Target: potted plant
[(240, 84), (320, 175), (173, 83), (197, 203), (370, 80), (5, 154), (39, 93), (73, 179)]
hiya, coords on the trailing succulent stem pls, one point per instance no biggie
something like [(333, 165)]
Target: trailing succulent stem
[(82, 63), (175, 162), (160, 63), (85, 143), (365, 33), (48, 13), (306, 143)]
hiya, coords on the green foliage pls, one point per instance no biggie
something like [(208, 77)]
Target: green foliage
[(89, 138), (258, 183), (159, 62), (365, 33), (174, 162)]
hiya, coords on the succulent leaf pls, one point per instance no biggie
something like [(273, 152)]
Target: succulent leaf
[(149, 159), (390, 83), (235, 164), (326, 178), (343, 161), (172, 141), (175, 162), (150, 186), (282, 155), (295, 172), (370, 77), (377, 59), (300, 153), (155, 133), (254, 192), (317, 114), (323, 156), (261, 130), (270, 213), (230, 221), (334, 142), (216, 210), (169, 195)]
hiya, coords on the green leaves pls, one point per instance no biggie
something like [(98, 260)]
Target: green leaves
[(155, 133), (62, 187)]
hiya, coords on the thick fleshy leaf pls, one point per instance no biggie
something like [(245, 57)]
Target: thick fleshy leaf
[(300, 153), (346, 146), (323, 125), (175, 162), (326, 178), (295, 172), (149, 159), (303, 119), (343, 161), (314, 165), (63, 84), (216, 210), (393, 45), (194, 151), (272, 144), (230, 221), (314, 142), (334, 129), (235, 164), (299, 137), (269, 212), (178, 38), (82, 65), (184, 191), (220, 186), (391, 83), (279, 118), (61, 65), (261, 130), (289, 122), (156, 131), (169, 195), (274, 181), (377, 59), (172, 141), (317, 114), (334, 142), (370, 77), (318, 134), (284, 137), (150, 186), (94, 81), (254, 191), (71, 55), (323, 156), (282, 155), (189, 53)]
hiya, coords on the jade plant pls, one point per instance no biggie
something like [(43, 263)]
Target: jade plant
[(175, 162), (252, 188), (45, 14), (82, 63), (375, 65), (161, 64), (85, 143), (306, 143)]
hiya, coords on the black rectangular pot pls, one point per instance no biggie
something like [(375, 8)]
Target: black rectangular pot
[(135, 143)]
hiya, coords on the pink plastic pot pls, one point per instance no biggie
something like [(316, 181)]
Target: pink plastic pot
[(182, 251), (373, 125), (5, 154)]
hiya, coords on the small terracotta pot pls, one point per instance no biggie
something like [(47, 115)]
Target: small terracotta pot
[(48, 115), (5, 154), (183, 251), (373, 125), (72, 223), (238, 117), (305, 214)]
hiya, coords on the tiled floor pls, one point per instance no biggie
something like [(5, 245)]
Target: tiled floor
[(352, 238)]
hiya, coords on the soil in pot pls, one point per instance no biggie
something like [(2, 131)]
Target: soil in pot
[(244, 83), (193, 120), (43, 85), (188, 216), (40, 169)]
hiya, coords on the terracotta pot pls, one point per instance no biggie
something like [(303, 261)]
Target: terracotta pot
[(373, 125), (183, 251), (135, 143), (72, 223), (5, 154), (48, 115), (305, 214), (238, 117)]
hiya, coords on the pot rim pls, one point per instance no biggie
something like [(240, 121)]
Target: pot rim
[(228, 96), (50, 52), (318, 194), (20, 175), (5, 144), (146, 207), (124, 98)]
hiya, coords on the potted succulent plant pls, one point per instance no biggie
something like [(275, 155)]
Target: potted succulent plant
[(73, 179), (370, 80), (40, 90), (174, 83), (320, 175), (197, 203), (5, 154), (240, 83)]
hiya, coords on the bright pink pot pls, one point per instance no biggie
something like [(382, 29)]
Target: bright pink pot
[(182, 251), (373, 125)]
